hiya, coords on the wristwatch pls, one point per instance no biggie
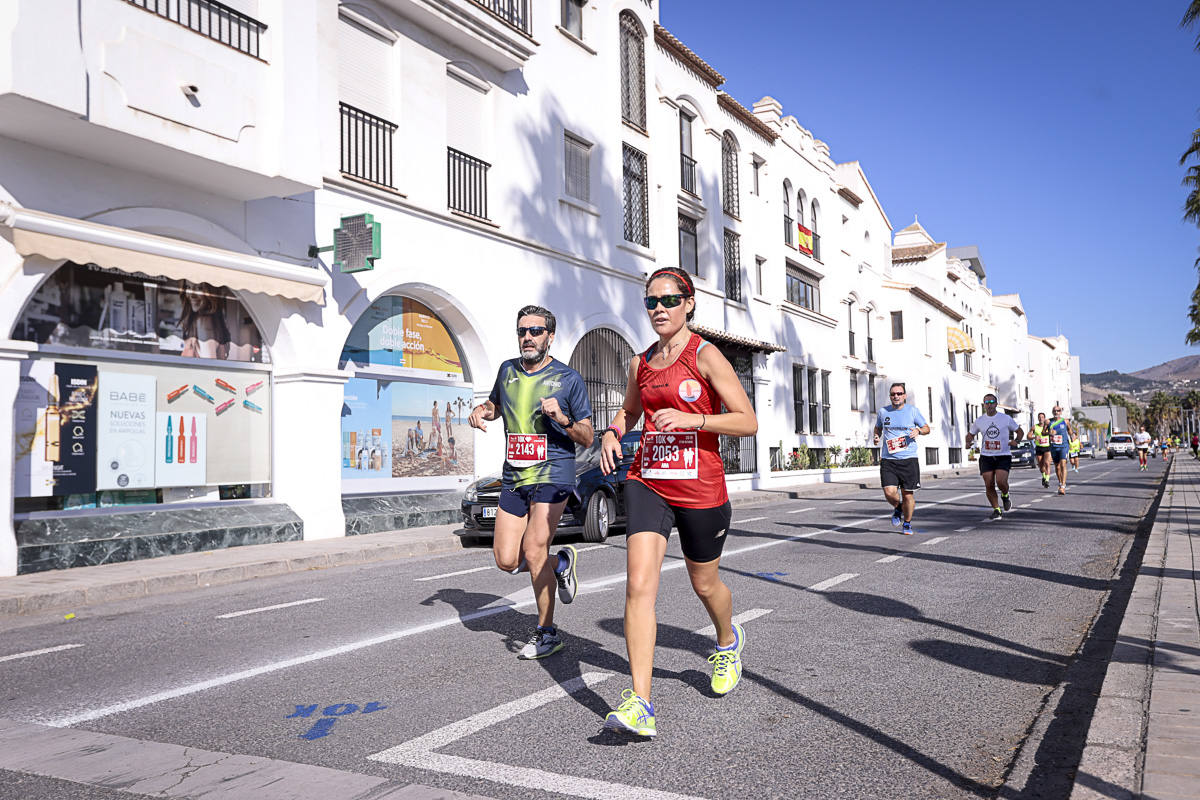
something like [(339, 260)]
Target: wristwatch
[(570, 421)]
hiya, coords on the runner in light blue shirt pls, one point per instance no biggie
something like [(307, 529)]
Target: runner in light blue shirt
[(896, 429)]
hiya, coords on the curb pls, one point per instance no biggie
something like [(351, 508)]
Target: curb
[(65, 590)]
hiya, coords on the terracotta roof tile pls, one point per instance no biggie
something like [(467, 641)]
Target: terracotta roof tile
[(905, 255), (667, 39), (746, 116), (724, 337)]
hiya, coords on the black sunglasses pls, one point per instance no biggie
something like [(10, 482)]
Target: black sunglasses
[(895, 394), (667, 300), (989, 402), (536, 330)]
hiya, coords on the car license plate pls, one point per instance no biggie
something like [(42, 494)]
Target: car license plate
[(488, 511)]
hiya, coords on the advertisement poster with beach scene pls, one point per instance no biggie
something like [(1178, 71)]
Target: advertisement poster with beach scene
[(402, 429)]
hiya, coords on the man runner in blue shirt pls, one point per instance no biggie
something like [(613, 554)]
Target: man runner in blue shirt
[(899, 424), (546, 412)]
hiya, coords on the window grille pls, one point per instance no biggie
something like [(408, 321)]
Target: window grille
[(873, 404), (577, 159), (854, 390), (467, 183), (813, 420), (634, 195), (730, 201), (633, 71), (733, 266), (897, 325), (738, 453), (514, 12), (366, 144), (826, 419), (798, 397), (931, 456), (211, 19), (602, 360), (687, 245), (955, 455)]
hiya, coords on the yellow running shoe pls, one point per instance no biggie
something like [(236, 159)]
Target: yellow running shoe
[(727, 664), (634, 715)]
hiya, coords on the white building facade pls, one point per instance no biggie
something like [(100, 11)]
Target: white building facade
[(179, 338)]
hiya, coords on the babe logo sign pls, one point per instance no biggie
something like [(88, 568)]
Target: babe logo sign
[(669, 456), (526, 449)]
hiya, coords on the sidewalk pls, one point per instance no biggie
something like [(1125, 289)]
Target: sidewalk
[(68, 590), (1144, 739)]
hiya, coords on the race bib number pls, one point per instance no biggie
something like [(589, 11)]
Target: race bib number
[(1057, 438), (670, 456), (526, 449), (897, 444), (987, 445)]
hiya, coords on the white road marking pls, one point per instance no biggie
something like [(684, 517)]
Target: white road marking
[(1039, 500), (935, 540), (843, 502), (740, 619), (391, 636), (419, 752), (233, 614), (459, 572), (799, 510), (964, 530), (1025, 505), (890, 559), (493, 566), (823, 585), (41, 652), (751, 519)]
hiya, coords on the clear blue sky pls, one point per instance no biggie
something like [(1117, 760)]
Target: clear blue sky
[(1047, 133)]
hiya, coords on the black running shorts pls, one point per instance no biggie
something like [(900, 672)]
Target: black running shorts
[(902, 472), (702, 531), (993, 463), (1039, 450)]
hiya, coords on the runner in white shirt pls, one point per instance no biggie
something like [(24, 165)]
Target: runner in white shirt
[(1141, 440), (995, 451)]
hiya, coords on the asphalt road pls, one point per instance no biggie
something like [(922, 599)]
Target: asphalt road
[(876, 665)]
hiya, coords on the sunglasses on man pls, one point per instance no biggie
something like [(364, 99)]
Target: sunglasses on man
[(536, 330), (895, 394), (667, 300)]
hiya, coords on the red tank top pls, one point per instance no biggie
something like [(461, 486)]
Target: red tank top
[(682, 387)]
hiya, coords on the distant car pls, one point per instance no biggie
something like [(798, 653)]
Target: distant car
[(595, 509), (1121, 444), (1022, 455), (1087, 450)]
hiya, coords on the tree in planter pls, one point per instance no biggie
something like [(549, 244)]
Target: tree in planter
[(857, 457), (799, 459)]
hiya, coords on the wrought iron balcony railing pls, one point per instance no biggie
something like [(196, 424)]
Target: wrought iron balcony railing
[(212, 19), (514, 12), (367, 145), (466, 178), (687, 173)]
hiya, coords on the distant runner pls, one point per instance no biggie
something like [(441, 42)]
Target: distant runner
[(1141, 440), (1073, 451), (1060, 446), (899, 424), (999, 432), (1040, 433)]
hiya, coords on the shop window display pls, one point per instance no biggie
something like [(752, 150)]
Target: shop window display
[(95, 428)]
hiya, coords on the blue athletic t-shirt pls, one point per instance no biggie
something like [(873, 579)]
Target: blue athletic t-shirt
[(1060, 430), (896, 424), (517, 395)]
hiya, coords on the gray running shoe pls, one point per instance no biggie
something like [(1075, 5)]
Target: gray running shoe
[(996, 514), (1007, 503), (541, 644), (568, 581)]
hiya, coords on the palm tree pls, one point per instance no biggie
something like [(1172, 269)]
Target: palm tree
[(1191, 182), (1190, 17)]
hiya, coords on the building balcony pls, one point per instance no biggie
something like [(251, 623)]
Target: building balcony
[(499, 32), (366, 146), (191, 91), (687, 174), (466, 178)]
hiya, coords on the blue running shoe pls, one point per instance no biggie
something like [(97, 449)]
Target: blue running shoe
[(907, 529), (897, 517)]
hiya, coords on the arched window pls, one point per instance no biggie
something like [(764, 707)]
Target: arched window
[(633, 70), (602, 359), (787, 212), (800, 207), (730, 201)]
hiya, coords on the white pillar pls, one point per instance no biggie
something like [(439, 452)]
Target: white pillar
[(308, 456), (12, 353)]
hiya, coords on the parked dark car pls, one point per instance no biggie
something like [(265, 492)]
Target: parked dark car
[(596, 508), (1023, 455)]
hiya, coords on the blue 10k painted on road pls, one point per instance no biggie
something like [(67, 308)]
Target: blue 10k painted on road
[(329, 715)]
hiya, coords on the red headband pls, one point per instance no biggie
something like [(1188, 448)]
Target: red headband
[(687, 284)]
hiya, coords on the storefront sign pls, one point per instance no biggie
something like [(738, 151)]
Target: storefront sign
[(125, 436), (406, 337)]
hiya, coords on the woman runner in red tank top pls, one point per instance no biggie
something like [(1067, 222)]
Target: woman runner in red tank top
[(690, 395)]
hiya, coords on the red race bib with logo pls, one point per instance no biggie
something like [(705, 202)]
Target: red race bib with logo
[(988, 445), (526, 449), (897, 444), (671, 455), (1057, 438)]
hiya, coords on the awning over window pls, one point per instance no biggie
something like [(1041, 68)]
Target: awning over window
[(957, 341), (723, 337), (63, 238)]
